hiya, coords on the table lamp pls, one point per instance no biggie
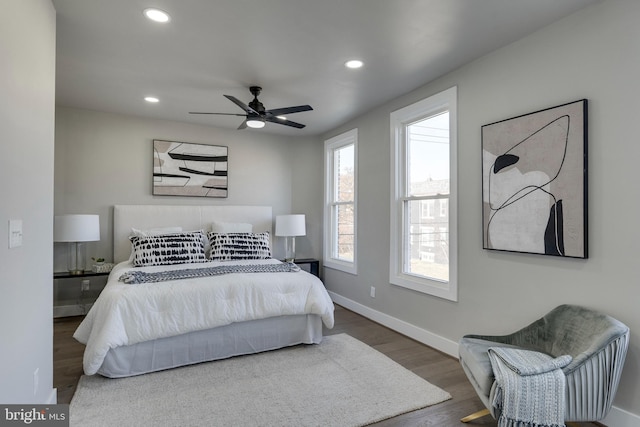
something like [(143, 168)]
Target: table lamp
[(75, 230), (290, 226)]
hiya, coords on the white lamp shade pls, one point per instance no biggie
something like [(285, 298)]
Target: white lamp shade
[(290, 225), (76, 228)]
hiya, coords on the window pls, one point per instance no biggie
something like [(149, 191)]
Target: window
[(340, 202), (427, 208), (443, 207), (424, 193)]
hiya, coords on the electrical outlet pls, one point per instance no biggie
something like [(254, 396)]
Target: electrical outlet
[(373, 292), (85, 285), (15, 233)]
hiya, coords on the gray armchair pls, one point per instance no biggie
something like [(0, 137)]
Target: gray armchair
[(598, 344)]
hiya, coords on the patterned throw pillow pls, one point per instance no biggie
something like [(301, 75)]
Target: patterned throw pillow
[(238, 246), (166, 249), (151, 232)]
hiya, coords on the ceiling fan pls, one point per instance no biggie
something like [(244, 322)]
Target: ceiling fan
[(256, 115)]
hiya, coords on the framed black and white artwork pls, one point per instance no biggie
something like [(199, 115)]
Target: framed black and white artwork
[(186, 169), (534, 182)]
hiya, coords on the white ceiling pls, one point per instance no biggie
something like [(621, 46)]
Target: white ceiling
[(109, 56)]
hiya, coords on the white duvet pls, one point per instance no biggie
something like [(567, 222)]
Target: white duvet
[(128, 314)]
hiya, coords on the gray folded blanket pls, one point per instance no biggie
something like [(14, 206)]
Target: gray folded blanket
[(530, 387), (136, 276)]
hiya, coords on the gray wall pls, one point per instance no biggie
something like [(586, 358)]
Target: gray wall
[(27, 85), (102, 159), (592, 54)]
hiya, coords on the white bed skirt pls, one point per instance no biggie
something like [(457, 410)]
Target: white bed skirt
[(212, 344)]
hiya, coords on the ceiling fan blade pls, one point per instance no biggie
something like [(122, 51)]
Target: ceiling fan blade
[(289, 110), (284, 122), (241, 104), (255, 111), (218, 114)]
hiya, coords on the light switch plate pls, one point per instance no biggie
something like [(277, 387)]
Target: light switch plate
[(15, 233)]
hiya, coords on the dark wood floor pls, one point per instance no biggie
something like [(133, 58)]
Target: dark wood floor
[(438, 368)]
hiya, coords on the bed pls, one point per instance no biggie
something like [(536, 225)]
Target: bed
[(219, 310)]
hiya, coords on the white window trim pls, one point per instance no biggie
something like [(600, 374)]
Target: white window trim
[(330, 145), (446, 100)]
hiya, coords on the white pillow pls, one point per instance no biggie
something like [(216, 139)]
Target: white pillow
[(231, 227), (154, 231)]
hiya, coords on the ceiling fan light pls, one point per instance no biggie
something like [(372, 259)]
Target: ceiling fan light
[(255, 123), (354, 64), (157, 15)]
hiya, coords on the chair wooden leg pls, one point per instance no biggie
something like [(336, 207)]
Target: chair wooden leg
[(475, 415)]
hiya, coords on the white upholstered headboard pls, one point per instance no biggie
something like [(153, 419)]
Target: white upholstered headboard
[(126, 217)]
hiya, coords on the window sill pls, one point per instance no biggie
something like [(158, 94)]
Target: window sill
[(345, 267), (445, 290)]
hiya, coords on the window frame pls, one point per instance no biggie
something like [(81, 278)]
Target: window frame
[(399, 120), (330, 232)]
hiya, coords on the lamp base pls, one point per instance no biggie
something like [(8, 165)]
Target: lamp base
[(77, 258), (289, 249)]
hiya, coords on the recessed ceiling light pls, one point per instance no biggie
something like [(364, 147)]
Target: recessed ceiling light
[(151, 99), (282, 117), (354, 63), (157, 15)]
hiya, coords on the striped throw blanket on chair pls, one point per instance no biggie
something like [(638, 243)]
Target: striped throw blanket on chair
[(530, 387)]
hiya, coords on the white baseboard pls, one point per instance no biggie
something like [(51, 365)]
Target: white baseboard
[(620, 418), (53, 397), (71, 310), (422, 335), (617, 417)]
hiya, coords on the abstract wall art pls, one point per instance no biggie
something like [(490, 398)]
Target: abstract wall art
[(186, 169), (534, 182)]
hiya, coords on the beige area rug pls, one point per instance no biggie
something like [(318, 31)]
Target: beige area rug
[(340, 382)]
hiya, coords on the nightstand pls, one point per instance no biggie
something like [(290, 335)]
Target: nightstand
[(314, 265), (73, 295), (66, 275)]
